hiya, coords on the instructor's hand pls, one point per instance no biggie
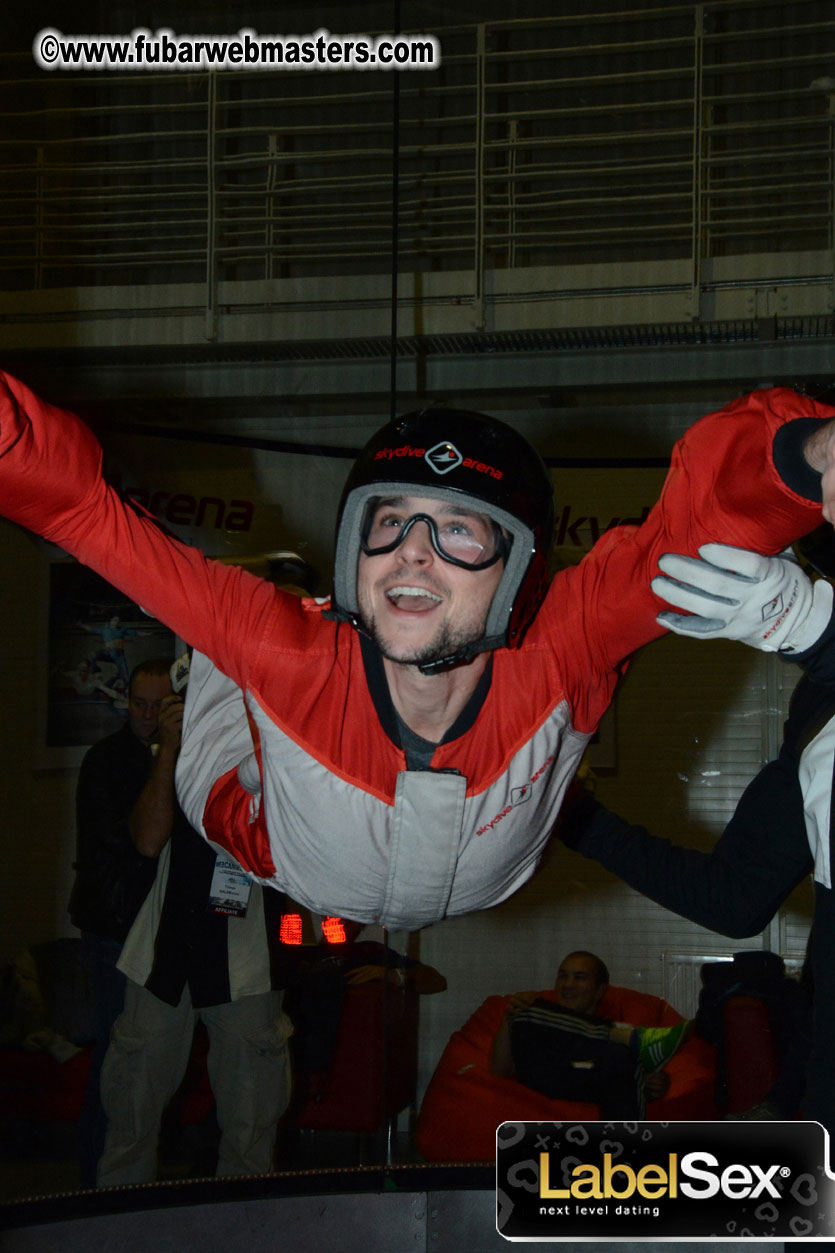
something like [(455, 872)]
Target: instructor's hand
[(729, 593)]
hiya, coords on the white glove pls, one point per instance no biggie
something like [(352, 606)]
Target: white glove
[(732, 594)]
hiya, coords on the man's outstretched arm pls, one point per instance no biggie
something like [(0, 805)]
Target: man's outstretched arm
[(741, 476), (51, 482), (734, 889)]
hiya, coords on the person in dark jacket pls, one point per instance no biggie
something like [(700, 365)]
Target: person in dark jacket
[(119, 778), (204, 945), (781, 829)]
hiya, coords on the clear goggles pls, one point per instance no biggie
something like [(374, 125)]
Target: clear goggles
[(462, 537)]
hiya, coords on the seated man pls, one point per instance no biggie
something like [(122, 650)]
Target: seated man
[(564, 1050)]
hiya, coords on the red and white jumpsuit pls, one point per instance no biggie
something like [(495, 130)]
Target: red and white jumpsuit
[(337, 820)]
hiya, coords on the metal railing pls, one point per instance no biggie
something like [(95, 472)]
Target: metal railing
[(687, 133)]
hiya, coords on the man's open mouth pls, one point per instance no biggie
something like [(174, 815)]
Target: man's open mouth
[(412, 599)]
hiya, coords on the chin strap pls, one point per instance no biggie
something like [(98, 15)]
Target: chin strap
[(464, 654)]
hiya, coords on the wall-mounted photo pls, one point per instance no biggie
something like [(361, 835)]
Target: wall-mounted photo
[(96, 637)]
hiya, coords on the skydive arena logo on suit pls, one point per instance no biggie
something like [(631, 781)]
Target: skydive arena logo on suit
[(518, 796), (657, 1181)]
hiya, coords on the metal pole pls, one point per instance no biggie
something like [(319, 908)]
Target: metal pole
[(696, 206), (480, 105), (395, 218), (211, 211), (831, 104), (511, 192), (39, 220), (270, 205)]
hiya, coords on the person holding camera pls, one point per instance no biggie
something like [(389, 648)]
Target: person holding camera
[(204, 945)]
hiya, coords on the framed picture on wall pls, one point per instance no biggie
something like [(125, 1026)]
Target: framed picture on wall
[(95, 637)]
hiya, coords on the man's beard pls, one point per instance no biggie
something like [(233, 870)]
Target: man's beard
[(445, 643)]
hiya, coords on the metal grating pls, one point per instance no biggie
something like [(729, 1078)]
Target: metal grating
[(680, 131)]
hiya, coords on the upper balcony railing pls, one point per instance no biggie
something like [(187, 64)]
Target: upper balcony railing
[(685, 134)]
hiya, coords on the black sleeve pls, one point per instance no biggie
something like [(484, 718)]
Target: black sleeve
[(790, 463), (818, 662), (113, 877), (736, 888)]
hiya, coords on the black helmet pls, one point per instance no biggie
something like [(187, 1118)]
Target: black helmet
[(454, 454)]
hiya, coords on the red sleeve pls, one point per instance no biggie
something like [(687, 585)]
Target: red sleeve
[(722, 486), (50, 482)]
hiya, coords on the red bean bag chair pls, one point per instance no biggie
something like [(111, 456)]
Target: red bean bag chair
[(752, 1059), (377, 1040), (465, 1103), (33, 1085)]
